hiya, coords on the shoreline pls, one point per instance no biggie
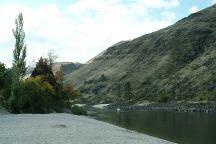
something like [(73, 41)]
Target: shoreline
[(66, 129), (3, 111), (207, 107)]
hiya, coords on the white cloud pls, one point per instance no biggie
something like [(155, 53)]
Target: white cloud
[(160, 3), (169, 16), (213, 2), (193, 9), (83, 29)]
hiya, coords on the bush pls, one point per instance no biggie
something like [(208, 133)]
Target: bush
[(31, 96), (163, 98), (78, 110), (12, 104), (35, 95), (41, 93), (69, 93)]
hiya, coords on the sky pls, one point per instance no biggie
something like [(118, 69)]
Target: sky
[(78, 30)]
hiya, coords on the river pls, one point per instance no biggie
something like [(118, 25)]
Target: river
[(185, 128)]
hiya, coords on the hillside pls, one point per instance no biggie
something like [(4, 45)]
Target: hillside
[(66, 67), (175, 63)]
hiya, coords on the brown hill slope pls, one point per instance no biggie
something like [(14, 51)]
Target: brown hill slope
[(175, 63)]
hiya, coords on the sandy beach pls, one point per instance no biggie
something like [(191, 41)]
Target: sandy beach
[(66, 129)]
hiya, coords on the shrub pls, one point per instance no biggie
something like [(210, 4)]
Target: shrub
[(78, 110), (69, 93), (12, 104), (163, 98), (102, 78), (31, 96)]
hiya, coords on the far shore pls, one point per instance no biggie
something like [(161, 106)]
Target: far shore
[(181, 106)]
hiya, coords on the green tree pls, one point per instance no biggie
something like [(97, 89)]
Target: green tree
[(118, 92), (6, 84), (19, 54), (127, 90), (44, 70), (102, 78), (2, 75), (69, 93), (59, 77)]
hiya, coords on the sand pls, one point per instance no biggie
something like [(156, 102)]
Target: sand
[(66, 129)]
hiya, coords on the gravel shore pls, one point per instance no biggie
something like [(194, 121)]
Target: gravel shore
[(3, 111), (180, 107), (66, 129)]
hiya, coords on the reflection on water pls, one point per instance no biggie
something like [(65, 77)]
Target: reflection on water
[(188, 128)]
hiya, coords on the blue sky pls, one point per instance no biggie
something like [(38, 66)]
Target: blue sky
[(77, 30)]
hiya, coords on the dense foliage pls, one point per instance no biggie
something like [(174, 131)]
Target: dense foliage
[(2, 75), (44, 70), (43, 92), (32, 96), (78, 110)]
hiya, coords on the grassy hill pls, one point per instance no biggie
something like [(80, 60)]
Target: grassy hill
[(175, 63), (66, 67)]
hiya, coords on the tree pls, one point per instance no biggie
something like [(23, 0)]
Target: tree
[(19, 54), (102, 78), (127, 90), (2, 75), (59, 77), (69, 93), (118, 94), (44, 70), (51, 57)]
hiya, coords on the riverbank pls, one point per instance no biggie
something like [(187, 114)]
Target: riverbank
[(66, 129), (3, 111), (173, 106)]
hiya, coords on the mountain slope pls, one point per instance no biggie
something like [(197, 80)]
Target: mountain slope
[(175, 63), (66, 67)]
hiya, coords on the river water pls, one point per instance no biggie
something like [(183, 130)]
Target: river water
[(185, 128)]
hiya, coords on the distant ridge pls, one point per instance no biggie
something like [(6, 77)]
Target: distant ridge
[(66, 67)]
